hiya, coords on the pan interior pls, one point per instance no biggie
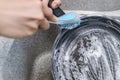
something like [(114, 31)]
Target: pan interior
[(89, 53)]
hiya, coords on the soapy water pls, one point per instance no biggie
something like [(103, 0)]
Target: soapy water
[(93, 56)]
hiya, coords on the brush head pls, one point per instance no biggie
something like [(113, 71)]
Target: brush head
[(69, 25), (69, 21)]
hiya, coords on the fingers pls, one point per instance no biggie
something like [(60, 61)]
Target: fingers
[(56, 3), (48, 11), (49, 14), (43, 24)]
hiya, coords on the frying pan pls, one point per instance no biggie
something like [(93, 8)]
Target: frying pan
[(90, 51)]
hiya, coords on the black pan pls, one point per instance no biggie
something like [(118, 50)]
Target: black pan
[(91, 51)]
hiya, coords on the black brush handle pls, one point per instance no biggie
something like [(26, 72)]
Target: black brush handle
[(57, 11)]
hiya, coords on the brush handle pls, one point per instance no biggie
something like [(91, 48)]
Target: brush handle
[(57, 11)]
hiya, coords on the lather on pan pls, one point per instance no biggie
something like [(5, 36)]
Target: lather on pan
[(91, 51)]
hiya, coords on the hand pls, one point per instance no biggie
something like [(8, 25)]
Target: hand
[(21, 18)]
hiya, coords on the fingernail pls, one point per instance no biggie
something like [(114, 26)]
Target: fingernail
[(54, 5)]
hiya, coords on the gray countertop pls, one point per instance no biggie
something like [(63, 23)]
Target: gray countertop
[(101, 5)]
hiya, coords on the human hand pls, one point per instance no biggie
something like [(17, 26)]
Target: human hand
[(21, 18)]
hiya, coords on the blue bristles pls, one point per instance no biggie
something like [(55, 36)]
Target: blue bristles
[(69, 21), (69, 25)]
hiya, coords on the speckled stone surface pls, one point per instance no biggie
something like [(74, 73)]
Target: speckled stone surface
[(101, 5), (17, 57)]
